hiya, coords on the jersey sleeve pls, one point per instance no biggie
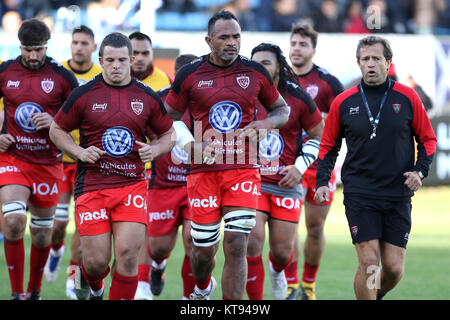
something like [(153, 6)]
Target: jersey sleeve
[(268, 93), (68, 117), (159, 121), (310, 116), (424, 135)]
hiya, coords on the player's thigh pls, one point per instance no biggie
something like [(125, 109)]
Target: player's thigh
[(281, 235), (392, 257), (128, 238), (96, 249), (258, 234), (315, 215)]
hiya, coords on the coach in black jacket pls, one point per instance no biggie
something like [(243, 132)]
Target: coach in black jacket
[(379, 119)]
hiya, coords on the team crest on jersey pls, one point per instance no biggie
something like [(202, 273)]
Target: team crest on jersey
[(272, 146), (24, 115), (137, 107), (47, 85), (313, 90), (243, 81), (225, 116), (397, 107), (118, 141)]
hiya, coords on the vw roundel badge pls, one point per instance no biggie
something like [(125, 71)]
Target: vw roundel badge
[(272, 146), (118, 141), (24, 114), (225, 116)]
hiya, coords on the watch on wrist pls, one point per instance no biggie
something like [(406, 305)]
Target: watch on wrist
[(421, 176)]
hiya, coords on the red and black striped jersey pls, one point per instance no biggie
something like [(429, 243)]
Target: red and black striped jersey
[(221, 100), (374, 167), (112, 118), (27, 92)]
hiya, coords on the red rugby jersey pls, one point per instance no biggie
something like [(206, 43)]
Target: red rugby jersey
[(283, 146), (170, 171), (27, 92), (221, 100), (112, 118)]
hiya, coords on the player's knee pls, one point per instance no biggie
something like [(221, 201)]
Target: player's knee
[(255, 245), (281, 253), (393, 269), (235, 246), (241, 221), (14, 218), (95, 264), (315, 230), (205, 235)]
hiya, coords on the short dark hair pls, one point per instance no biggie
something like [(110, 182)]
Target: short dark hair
[(372, 40), (115, 40), (306, 30), (222, 14), (33, 32), (183, 59), (140, 36), (84, 29)]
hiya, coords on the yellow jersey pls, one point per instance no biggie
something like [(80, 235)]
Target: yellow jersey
[(82, 78)]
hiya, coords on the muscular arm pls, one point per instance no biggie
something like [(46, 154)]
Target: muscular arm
[(175, 115), (64, 142), (158, 147), (278, 113)]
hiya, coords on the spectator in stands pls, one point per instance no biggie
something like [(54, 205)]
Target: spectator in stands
[(353, 21), (327, 18), (243, 11), (288, 12)]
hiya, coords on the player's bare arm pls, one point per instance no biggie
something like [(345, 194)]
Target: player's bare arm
[(64, 142), (293, 174), (158, 147)]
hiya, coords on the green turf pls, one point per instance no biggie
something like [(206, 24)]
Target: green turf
[(427, 260)]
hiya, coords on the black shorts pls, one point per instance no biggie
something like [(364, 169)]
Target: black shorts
[(387, 220)]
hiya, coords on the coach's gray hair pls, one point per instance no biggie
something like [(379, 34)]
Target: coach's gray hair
[(372, 40)]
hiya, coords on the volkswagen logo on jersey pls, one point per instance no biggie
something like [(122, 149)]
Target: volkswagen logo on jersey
[(118, 141), (24, 113), (179, 155), (225, 116), (272, 146)]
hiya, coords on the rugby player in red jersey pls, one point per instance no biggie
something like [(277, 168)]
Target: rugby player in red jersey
[(168, 208), (34, 87), (323, 88), (220, 91), (112, 112), (286, 160)]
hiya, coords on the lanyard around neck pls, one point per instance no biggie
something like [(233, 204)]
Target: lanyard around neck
[(374, 122)]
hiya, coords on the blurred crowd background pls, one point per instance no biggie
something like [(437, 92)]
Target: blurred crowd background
[(327, 16)]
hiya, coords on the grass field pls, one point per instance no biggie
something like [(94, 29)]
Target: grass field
[(426, 276)]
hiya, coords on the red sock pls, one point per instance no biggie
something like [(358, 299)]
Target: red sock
[(309, 272), (95, 282), (15, 260), (202, 284), (38, 258), (277, 266), (56, 247), (123, 287), (188, 278), (291, 273), (255, 278), (144, 272)]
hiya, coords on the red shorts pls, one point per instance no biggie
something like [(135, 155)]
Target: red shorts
[(96, 210), (68, 180), (309, 183), (208, 192), (43, 180), (281, 208), (166, 210)]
